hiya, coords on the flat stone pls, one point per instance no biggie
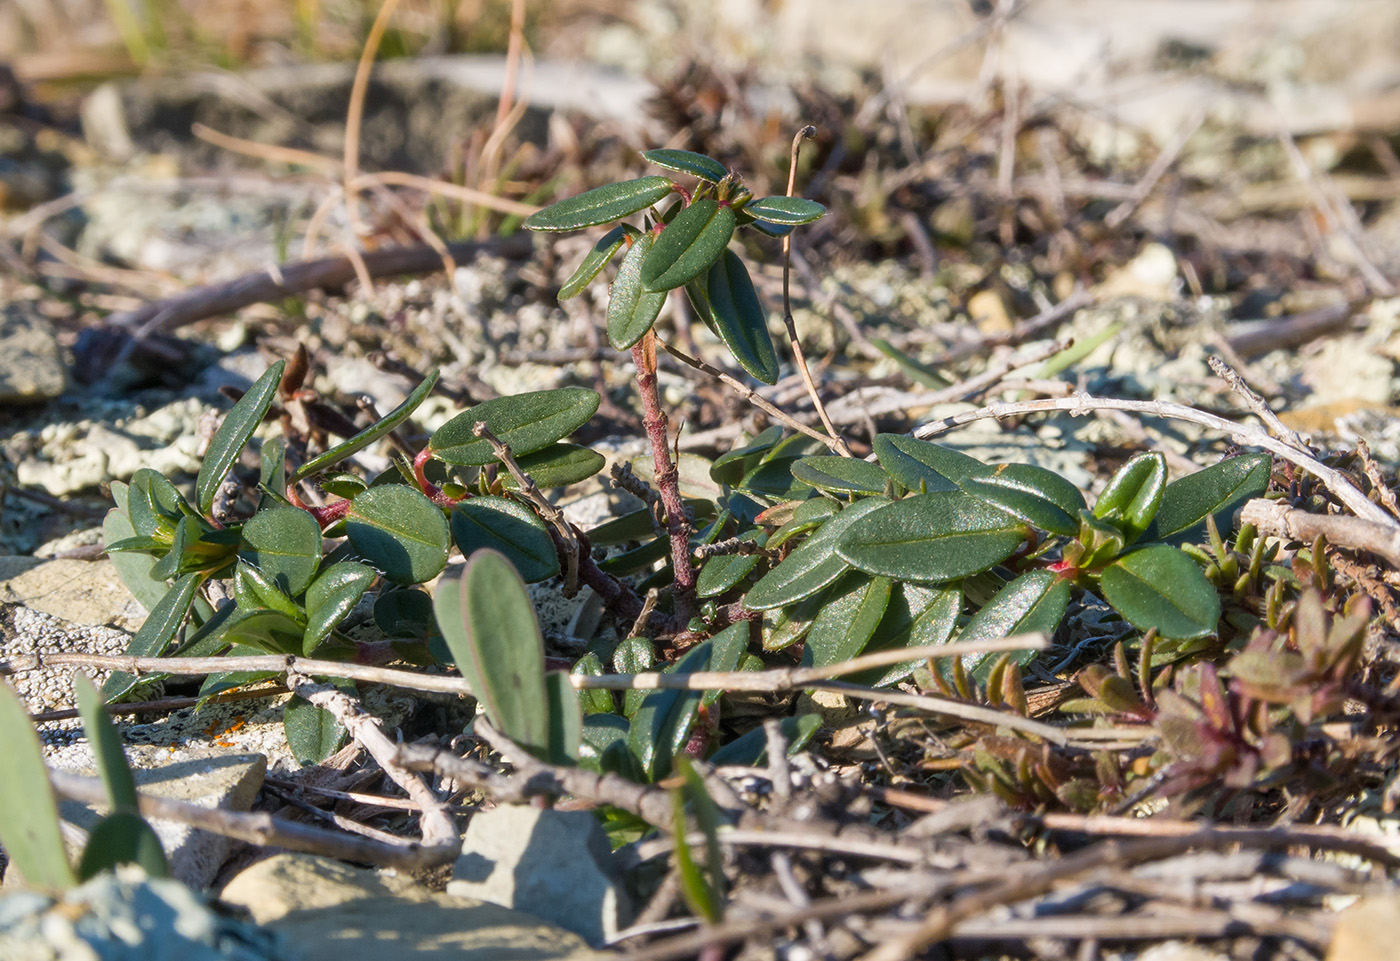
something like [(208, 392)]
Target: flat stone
[(328, 911), (77, 591), (1367, 931), (554, 864), (31, 364)]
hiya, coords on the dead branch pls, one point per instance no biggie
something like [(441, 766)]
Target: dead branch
[(1280, 520)]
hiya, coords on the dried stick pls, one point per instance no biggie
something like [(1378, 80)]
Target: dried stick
[(164, 704), (1079, 403), (840, 445), (1280, 520), (667, 480), (355, 114), (261, 828), (1257, 404), (1155, 171), (438, 827)]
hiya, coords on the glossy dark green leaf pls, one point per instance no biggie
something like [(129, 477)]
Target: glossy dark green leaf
[(405, 612), (688, 246), (814, 564), (787, 211), (525, 422), (598, 257), (931, 537), (154, 505), (772, 481), (917, 615), (1159, 586), (1035, 601), (156, 634), (272, 471), (29, 828), (488, 621), (724, 571), (234, 433), (601, 205), (106, 746), (702, 889), (331, 596), (688, 162), (122, 837), (638, 525), (601, 732), (510, 527), (785, 626), (752, 748), (737, 315), (266, 631), (255, 592), (1218, 491), (565, 719), (632, 309), (848, 620), (558, 465), (313, 733), (810, 514), (840, 475), (285, 544), (924, 465), (398, 531), (1034, 494), (633, 655), (372, 433), (592, 701), (731, 466), (1133, 494)]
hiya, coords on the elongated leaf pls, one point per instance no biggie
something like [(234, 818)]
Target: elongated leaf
[(1133, 494), (738, 316), (633, 655), (272, 471), (812, 566), (106, 746), (331, 596), (370, 434), (931, 537), (510, 527), (255, 592), (1035, 601), (809, 515), (848, 620), (313, 733), (1033, 494), (787, 211), (725, 571), (688, 162), (285, 544), (924, 465), (728, 468), (1218, 491), (526, 422), (688, 245), (598, 257), (28, 812), (601, 205), (154, 505), (785, 626), (916, 616), (488, 621), (752, 748), (565, 719), (133, 569), (156, 633), (398, 531), (841, 475), (558, 465), (123, 837), (638, 525), (632, 309), (233, 434), (1159, 586)]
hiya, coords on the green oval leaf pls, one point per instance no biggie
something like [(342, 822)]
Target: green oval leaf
[(396, 529), (840, 475), (122, 837), (510, 527), (931, 537), (632, 309), (787, 211), (565, 719), (688, 246), (331, 596), (285, 544), (156, 633), (313, 733), (1133, 494), (592, 701), (738, 318), (28, 812), (598, 257), (558, 465), (922, 465), (370, 434), (1218, 491), (725, 571), (633, 655), (1034, 494), (601, 205), (525, 422), (1159, 586), (916, 616), (814, 564), (133, 569), (1035, 601), (488, 621), (255, 592), (233, 434), (688, 162), (848, 620), (785, 626)]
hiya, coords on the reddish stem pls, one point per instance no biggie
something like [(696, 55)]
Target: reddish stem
[(667, 480)]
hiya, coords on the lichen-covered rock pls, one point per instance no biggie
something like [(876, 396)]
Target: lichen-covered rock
[(31, 365)]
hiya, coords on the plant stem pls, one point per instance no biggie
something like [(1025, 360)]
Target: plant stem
[(667, 479)]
